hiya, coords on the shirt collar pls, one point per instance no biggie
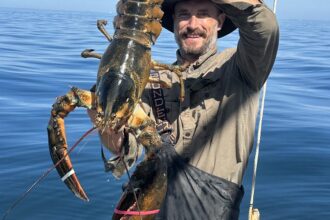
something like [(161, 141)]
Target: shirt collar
[(198, 62), (195, 71)]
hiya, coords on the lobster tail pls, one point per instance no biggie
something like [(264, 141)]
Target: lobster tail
[(139, 17)]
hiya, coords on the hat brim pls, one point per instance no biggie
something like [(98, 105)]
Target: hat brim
[(168, 23)]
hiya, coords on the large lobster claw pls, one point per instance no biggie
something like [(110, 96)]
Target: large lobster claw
[(57, 138), (64, 168)]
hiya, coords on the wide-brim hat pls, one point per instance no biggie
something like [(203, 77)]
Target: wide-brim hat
[(168, 23)]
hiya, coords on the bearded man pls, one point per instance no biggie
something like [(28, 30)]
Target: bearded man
[(212, 130)]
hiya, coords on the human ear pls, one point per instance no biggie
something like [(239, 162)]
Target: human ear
[(221, 20)]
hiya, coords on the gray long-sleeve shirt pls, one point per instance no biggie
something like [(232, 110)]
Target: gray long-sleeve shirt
[(214, 127)]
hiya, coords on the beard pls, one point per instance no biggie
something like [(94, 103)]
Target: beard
[(209, 41)]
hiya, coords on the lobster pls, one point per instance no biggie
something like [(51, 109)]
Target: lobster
[(123, 73)]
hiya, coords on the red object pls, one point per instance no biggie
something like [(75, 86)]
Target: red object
[(141, 213)]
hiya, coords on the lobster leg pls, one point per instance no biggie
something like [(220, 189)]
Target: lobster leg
[(162, 83), (100, 26), (175, 69), (57, 137), (89, 53)]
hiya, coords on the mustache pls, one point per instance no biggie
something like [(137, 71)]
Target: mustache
[(189, 31)]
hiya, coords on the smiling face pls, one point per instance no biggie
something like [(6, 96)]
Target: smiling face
[(196, 25)]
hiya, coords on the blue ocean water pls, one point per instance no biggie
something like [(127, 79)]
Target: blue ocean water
[(40, 59)]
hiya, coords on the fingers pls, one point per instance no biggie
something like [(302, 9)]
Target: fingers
[(92, 115)]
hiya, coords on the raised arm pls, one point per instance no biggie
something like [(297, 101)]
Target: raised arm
[(259, 38)]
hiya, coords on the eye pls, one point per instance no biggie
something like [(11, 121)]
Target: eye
[(203, 14), (183, 15)]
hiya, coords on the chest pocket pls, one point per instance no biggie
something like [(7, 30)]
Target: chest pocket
[(206, 101)]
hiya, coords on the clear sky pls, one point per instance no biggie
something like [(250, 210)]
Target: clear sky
[(292, 9)]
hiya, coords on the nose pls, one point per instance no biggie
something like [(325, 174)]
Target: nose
[(193, 22)]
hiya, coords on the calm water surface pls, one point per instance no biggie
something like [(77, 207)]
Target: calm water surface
[(40, 59)]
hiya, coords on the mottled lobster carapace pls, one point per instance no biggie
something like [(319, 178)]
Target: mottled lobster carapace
[(125, 66)]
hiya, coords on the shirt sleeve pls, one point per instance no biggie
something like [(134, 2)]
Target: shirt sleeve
[(258, 42)]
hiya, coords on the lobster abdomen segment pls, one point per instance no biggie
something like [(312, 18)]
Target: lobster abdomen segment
[(143, 16)]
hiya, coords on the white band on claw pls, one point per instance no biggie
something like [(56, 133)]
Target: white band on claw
[(67, 175)]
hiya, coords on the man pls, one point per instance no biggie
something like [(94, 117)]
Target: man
[(213, 128)]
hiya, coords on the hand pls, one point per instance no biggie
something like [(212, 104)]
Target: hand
[(252, 2), (109, 138)]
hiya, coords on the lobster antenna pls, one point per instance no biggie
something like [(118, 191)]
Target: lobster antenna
[(43, 176)]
